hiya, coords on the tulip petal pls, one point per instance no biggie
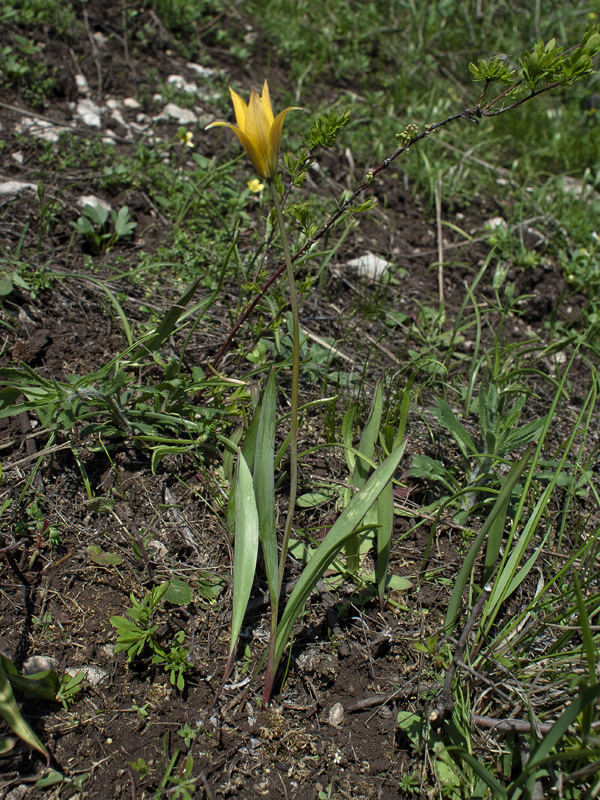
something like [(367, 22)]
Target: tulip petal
[(266, 102), (275, 135), (259, 133), (258, 128), (240, 108)]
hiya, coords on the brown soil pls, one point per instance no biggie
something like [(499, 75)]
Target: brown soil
[(57, 601)]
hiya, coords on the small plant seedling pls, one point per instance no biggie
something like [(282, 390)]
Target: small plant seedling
[(94, 226), (136, 632), (69, 687)]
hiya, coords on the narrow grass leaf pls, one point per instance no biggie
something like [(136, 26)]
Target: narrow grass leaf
[(539, 753), (347, 424), (385, 513), (360, 474), (586, 632), (368, 438), (168, 322), (486, 776), (344, 527), (494, 522)]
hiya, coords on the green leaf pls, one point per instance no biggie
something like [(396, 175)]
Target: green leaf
[(179, 593), (493, 523), (385, 517), (496, 787), (449, 420), (98, 556), (344, 527), (246, 547), (168, 323), (10, 712), (264, 486)]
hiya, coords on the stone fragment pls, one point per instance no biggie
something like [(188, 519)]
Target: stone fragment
[(184, 116), (370, 266), (336, 715), (40, 129), (203, 72), (89, 113), (92, 674), (13, 188), (496, 222), (179, 82), (93, 201), (321, 665), (82, 84), (36, 664)]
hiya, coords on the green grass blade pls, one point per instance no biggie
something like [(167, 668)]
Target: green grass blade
[(246, 547), (368, 438), (385, 512), (168, 322), (486, 776), (344, 527), (586, 632), (347, 423), (361, 472), (493, 523), (540, 753)]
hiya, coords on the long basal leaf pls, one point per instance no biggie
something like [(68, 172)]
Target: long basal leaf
[(246, 547), (344, 527), (9, 710)]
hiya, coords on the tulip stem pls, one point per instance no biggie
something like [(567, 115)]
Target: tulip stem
[(295, 382)]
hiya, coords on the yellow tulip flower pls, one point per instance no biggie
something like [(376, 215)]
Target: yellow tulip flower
[(257, 129)]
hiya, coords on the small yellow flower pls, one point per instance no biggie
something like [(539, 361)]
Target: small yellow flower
[(255, 185), (185, 137), (257, 129)]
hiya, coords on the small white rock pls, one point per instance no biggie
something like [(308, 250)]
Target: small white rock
[(18, 157), (93, 201), (111, 103), (496, 222), (89, 113), (100, 38), (157, 549), (40, 129), (39, 664), (131, 102), (182, 115), (336, 715), (118, 117), (180, 83), (92, 674), (13, 188), (82, 84), (370, 266), (204, 72)]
